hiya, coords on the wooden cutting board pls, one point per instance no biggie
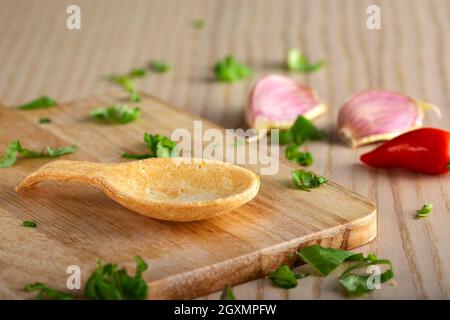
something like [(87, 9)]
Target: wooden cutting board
[(78, 225)]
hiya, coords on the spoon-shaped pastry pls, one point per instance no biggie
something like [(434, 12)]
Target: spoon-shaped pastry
[(174, 189)]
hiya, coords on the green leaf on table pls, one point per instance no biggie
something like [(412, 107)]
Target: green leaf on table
[(159, 66), (137, 73), (59, 151), (127, 83), (297, 61), (229, 70), (108, 282), (305, 180), (161, 146), (9, 157), (198, 24), (302, 130), (46, 293), (44, 120), (355, 285), (284, 277), (116, 114), (325, 260), (137, 156), (302, 158), (227, 293), (425, 211), (29, 224), (39, 103)]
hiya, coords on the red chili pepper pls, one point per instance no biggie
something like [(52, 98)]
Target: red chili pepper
[(425, 150)]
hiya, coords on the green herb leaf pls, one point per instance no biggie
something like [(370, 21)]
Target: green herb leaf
[(116, 114), (325, 260), (198, 24), (57, 152), (229, 70), (137, 156), (44, 120), (284, 277), (10, 155), (107, 282), (160, 145), (137, 73), (305, 180), (302, 158), (44, 292), (29, 224), (39, 103), (227, 294), (160, 67), (355, 285), (303, 130), (127, 84), (425, 211), (297, 61)]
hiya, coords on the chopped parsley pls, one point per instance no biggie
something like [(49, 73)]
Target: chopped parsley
[(116, 114), (297, 61), (44, 120), (227, 294), (47, 293), (9, 157), (425, 211), (305, 180), (159, 66), (39, 103), (127, 83), (301, 131), (198, 24), (302, 158), (284, 277), (229, 70), (29, 224), (160, 147)]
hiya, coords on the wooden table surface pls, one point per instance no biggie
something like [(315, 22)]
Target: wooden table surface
[(410, 54)]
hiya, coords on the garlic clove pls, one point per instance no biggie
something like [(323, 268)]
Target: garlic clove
[(276, 102), (378, 115)]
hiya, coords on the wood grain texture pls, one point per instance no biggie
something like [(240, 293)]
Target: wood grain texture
[(410, 54), (186, 259)]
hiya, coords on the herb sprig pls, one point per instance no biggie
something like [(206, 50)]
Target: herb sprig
[(229, 70), (160, 147), (39, 103), (284, 277), (29, 224), (9, 157), (425, 211), (116, 114), (297, 61), (305, 180)]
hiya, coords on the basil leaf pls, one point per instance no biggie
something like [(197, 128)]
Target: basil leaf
[(137, 73), (305, 180), (116, 114), (355, 285), (303, 130), (39, 103), (160, 145), (285, 137), (10, 155), (107, 282), (137, 156), (56, 152), (44, 292), (229, 70), (284, 277), (297, 61), (325, 260), (227, 294), (160, 67), (302, 158), (425, 211), (44, 120), (29, 224)]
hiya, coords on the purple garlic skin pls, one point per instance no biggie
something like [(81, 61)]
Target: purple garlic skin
[(276, 102), (378, 115)]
